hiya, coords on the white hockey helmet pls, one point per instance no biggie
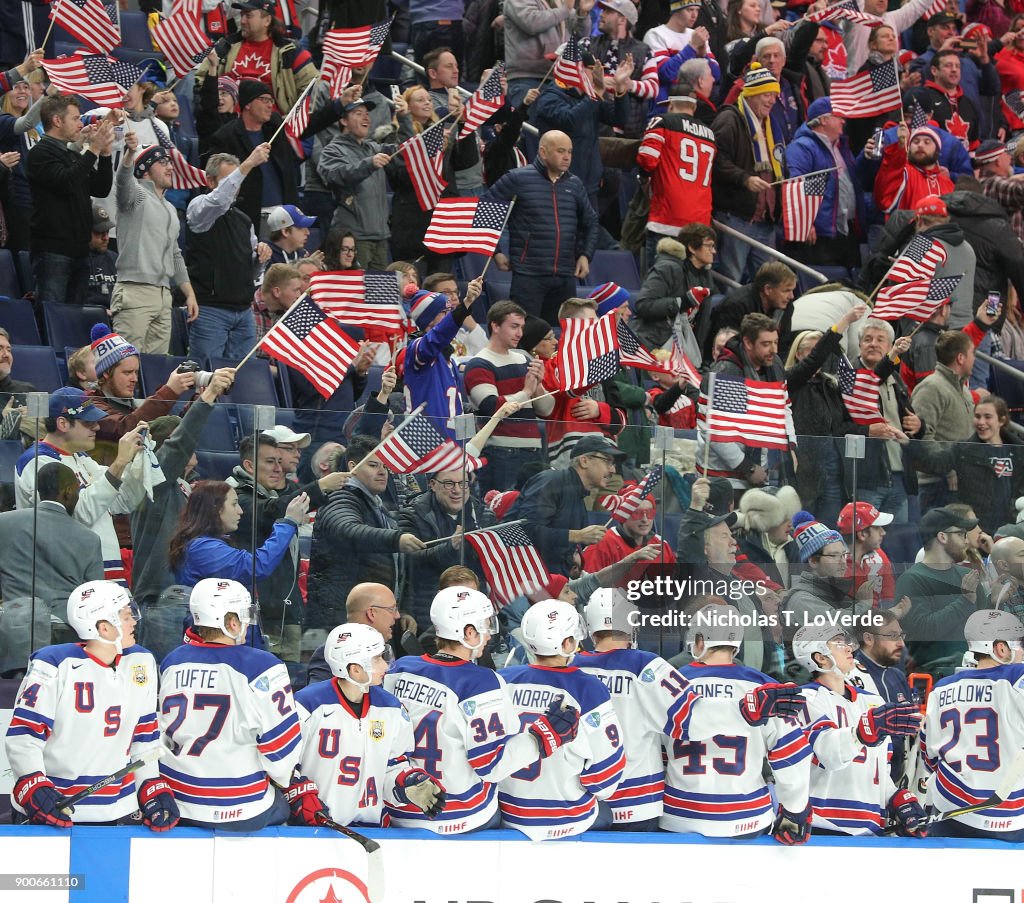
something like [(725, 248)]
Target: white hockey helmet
[(609, 609), (814, 638), (213, 599), (355, 644), (99, 600), (717, 625), (457, 607), (985, 628), (547, 624)]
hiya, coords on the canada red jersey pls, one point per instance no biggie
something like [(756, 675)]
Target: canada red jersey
[(678, 152)]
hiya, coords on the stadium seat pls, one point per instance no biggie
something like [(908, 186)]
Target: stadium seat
[(216, 465), (69, 325), (10, 285), (314, 240), (471, 265), (219, 432), (254, 383), (615, 266), (10, 451), (37, 364), (243, 414), (497, 285), (1009, 388), (154, 370), (135, 32), (25, 275), (373, 381), (179, 330), (19, 319)]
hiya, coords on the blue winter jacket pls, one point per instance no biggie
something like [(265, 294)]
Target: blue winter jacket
[(807, 154), (211, 556), (552, 223)]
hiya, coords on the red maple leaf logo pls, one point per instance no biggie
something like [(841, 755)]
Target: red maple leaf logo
[(957, 127)]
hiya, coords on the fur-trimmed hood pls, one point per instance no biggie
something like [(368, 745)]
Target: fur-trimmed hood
[(673, 248), (761, 511)]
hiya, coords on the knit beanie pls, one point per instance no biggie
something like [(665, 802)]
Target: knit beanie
[(424, 306), (499, 502), (229, 86), (147, 157), (759, 80), (811, 536), (534, 330), (927, 132), (109, 348), (556, 583), (249, 89), (609, 297)]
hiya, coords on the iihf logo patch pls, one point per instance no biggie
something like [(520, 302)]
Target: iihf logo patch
[(377, 730), (594, 719), (262, 683), (469, 707), (647, 676)]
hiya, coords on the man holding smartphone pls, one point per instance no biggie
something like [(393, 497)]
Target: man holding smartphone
[(12, 391)]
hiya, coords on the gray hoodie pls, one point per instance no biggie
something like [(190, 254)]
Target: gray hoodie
[(147, 236), (359, 188)]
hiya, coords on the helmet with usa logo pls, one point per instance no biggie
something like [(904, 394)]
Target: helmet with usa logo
[(213, 599), (98, 601), (356, 644), (548, 624), (985, 628)]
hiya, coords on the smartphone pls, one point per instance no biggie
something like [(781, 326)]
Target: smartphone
[(396, 92), (992, 303)]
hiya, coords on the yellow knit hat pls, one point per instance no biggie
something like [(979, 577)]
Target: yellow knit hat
[(758, 80)]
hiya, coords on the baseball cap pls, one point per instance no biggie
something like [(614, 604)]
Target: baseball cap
[(101, 221), (288, 215), (943, 19), (677, 5), (864, 514), (818, 108), (698, 522), (74, 404), (624, 7), (932, 205), (1009, 530), (266, 6), (596, 445), (281, 433), (349, 107), (939, 520)]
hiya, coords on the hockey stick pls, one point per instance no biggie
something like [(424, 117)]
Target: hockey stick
[(66, 804), (374, 858)]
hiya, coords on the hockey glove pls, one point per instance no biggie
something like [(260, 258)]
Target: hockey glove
[(558, 725), (159, 809), (771, 700), (896, 719), (36, 794), (305, 803), (908, 814), (417, 787), (792, 829)]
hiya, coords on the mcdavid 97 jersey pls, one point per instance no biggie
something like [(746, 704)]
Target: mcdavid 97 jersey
[(78, 720), (974, 731), (557, 796), (353, 760)]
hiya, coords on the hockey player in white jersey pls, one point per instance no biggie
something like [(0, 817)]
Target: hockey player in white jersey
[(357, 737), (228, 715), (84, 711), (716, 786), (559, 796), (974, 732), (849, 732), (466, 731), (653, 700)]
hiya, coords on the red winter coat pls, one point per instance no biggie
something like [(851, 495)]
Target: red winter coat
[(900, 185)]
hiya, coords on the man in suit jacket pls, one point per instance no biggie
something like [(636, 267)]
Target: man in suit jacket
[(67, 555)]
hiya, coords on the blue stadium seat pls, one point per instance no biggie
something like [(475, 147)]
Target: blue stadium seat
[(471, 265), (314, 240), (1009, 388), (219, 432), (154, 370), (25, 275), (243, 414), (135, 56), (10, 451), (10, 285), (19, 319), (216, 465), (373, 381), (37, 364), (179, 330), (254, 383), (68, 325), (497, 285), (615, 266), (135, 31)]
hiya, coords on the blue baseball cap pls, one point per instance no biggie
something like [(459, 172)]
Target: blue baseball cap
[(289, 215), (74, 404)]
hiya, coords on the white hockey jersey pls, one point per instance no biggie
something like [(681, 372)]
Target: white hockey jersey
[(557, 796), (974, 729), (716, 786), (354, 761), (466, 735), (98, 498), (652, 700), (229, 716), (78, 720), (850, 782)]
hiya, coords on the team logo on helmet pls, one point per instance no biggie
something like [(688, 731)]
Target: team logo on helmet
[(462, 595), (86, 593), (223, 584), (377, 730), (139, 675), (552, 616), (343, 637), (469, 707), (262, 683)]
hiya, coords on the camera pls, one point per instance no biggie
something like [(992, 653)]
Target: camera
[(203, 377)]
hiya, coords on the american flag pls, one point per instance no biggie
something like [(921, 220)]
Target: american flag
[(126, 74), (297, 120), (918, 117), (418, 447), (869, 94), (801, 200), (190, 8), (355, 46), (845, 9), (569, 69), (859, 388), (747, 411), (622, 505), (485, 101), (511, 564), (466, 224), (680, 365), (357, 298), (182, 41), (936, 9), (918, 299), (588, 352), (424, 158), (1015, 101), (918, 260), (337, 76), (631, 352), (88, 21), (184, 175), (88, 75), (309, 341)]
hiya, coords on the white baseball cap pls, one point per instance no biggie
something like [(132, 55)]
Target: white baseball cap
[(282, 434)]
